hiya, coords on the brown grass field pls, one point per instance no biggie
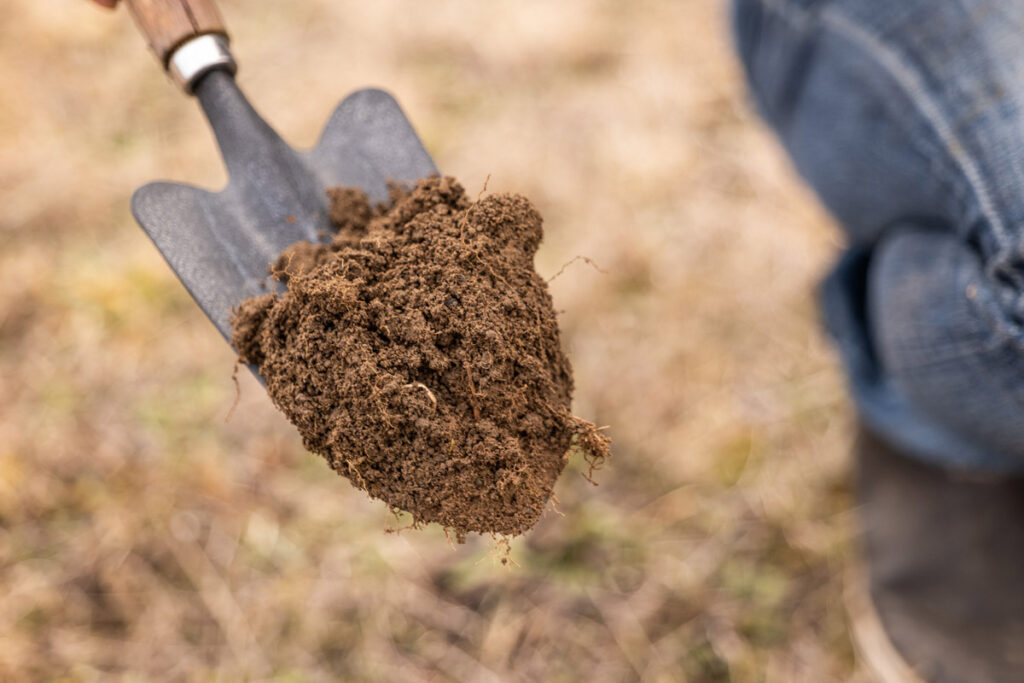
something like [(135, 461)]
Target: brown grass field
[(143, 537)]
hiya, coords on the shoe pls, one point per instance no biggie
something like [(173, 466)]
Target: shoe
[(942, 597)]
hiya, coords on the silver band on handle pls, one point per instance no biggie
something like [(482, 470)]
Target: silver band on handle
[(196, 57)]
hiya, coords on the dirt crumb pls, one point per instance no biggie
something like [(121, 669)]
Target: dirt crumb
[(419, 354)]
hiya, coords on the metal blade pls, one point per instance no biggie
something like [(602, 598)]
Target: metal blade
[(220, 244)]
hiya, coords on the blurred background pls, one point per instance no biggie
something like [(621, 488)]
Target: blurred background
[(142, 533)]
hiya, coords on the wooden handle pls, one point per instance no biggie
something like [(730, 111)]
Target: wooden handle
[(166, 24)]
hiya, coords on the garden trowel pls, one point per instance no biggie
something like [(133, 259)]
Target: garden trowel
[(221, 243)]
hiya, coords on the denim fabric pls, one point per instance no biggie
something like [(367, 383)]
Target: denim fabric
[(907, 118)]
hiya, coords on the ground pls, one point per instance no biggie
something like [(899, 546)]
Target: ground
[(146, 536)]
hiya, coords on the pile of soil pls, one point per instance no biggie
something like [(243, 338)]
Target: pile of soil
[(419, 354)]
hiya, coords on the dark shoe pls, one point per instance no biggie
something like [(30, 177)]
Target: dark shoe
[(945, 571)]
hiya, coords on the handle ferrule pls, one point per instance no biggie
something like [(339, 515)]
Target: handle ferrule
[(197, 57), (187, 36)]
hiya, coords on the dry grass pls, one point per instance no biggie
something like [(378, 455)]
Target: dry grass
[(143, 538)]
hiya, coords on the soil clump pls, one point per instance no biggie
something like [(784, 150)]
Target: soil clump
[(418, 352)]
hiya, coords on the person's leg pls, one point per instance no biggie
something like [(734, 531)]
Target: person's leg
[(908, 120)]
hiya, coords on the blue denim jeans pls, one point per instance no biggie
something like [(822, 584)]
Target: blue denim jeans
[(907, 118)]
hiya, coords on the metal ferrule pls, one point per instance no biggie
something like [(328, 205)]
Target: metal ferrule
[(198, 56)]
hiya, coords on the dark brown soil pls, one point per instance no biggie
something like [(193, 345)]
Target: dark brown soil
[(419, 354)]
